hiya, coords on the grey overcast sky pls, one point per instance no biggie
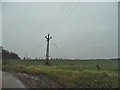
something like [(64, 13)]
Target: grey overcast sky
[(0, 24), (78, 30)]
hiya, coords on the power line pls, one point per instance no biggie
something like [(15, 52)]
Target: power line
[(58, 23), (72, 8), (59, 20), (68, 14), (59, 15), (65, 12), (60, 51)]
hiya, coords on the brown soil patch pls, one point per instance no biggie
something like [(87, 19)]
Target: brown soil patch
[(39, 81)]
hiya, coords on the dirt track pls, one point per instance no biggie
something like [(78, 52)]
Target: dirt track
[(39, 81)]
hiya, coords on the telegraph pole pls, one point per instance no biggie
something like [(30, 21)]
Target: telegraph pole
[(26, 56), (47, 51)]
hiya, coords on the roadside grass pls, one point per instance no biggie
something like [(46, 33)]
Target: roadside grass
[(70, 76), (77, 65)]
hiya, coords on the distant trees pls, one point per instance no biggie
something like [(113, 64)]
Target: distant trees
[(8, 55)]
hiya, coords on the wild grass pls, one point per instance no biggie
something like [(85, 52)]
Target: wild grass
[(70, 76), (79, 65)]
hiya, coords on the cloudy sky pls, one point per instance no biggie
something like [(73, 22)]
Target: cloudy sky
[(0, 38), (78, 30)]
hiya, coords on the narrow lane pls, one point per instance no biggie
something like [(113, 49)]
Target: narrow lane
[(0, 80), (8, 81)]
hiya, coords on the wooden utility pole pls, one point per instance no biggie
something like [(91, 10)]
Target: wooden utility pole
[(47, 51)]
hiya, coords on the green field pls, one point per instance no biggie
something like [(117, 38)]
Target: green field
[(70, 73), (109, 65)]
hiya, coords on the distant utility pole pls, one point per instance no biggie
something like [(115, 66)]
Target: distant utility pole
[(26, 56), (47, 51)]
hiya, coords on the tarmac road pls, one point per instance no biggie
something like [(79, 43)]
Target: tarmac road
[(0, 80), (8, 81)]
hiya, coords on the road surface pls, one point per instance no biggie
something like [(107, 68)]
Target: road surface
[(0, 80), (8, 81)]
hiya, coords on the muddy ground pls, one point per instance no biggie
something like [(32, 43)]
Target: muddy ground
[(39, 81)]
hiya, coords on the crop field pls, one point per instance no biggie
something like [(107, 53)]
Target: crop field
[(109, 65), (70, 73)]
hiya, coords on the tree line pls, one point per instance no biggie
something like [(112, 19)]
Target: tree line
[(8, 55)]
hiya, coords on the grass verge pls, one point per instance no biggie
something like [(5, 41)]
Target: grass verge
[(69, 78)]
